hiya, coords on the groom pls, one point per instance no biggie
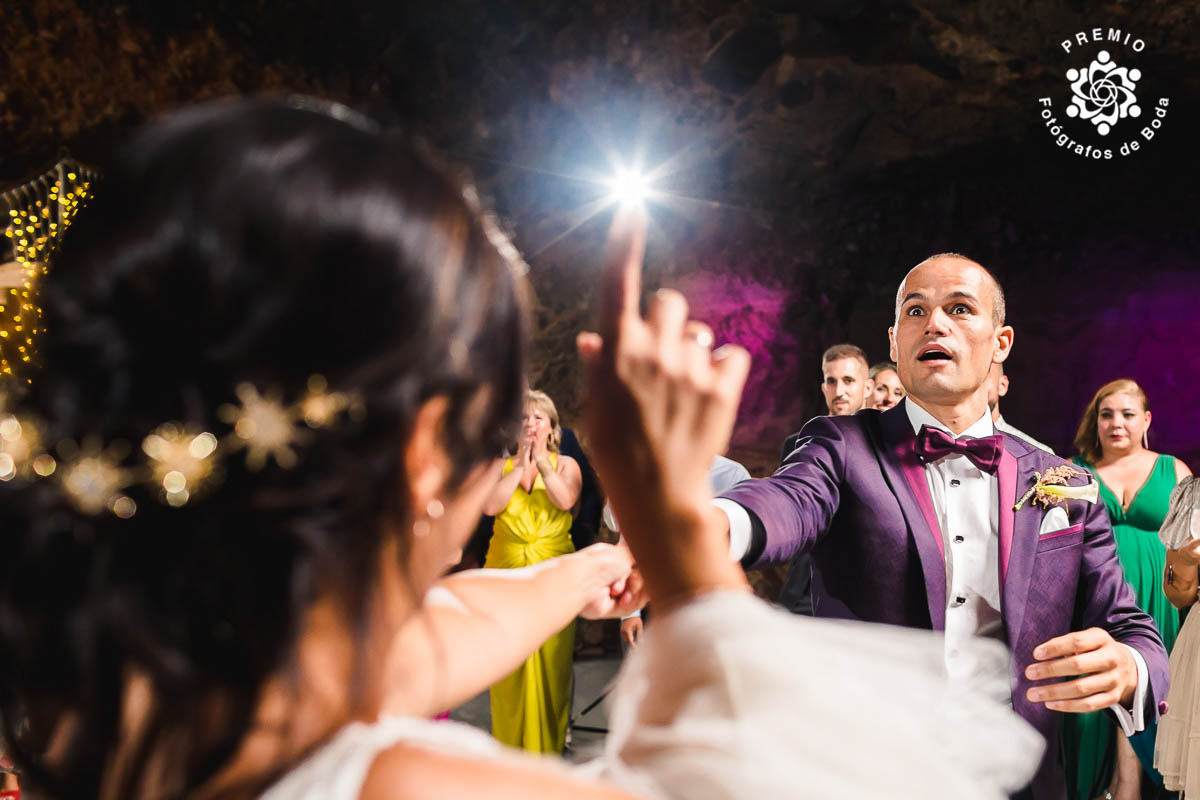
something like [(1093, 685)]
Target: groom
[(909, 516)]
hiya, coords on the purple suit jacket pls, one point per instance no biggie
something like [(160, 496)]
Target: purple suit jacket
[(854, 494)]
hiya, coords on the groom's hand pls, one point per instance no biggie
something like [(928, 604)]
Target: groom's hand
[(1103, 669)]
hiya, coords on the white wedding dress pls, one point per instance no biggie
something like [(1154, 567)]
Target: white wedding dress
[(1177, 744), (730, 698)]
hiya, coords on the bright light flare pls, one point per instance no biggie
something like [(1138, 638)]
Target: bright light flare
[(629, 188)]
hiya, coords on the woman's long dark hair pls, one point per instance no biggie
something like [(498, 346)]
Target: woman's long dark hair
[(241, 241)]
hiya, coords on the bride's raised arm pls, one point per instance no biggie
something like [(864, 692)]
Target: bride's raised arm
[(661, 406), (434, 661)]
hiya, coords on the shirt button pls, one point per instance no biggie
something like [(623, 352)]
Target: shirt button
[(954, 482), (958, 601), (958, 540)]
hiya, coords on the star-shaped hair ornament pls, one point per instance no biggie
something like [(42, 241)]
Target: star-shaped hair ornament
[(262, 425), (182, 461), (93, 479), (21, 452), (320, 407)]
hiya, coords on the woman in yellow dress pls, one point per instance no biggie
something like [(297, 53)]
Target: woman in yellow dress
[(532, 504)]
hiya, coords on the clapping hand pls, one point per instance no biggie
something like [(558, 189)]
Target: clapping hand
[(541, 455), (524, 455)]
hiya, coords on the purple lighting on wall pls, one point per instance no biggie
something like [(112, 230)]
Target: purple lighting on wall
[(750, 314)]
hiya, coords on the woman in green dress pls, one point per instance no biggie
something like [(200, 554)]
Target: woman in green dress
[(1135, 487)]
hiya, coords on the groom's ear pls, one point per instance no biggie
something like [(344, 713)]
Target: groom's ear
[(1003, 344), (892, 346)]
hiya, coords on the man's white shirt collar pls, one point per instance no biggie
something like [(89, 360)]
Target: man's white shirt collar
[(918, 416)]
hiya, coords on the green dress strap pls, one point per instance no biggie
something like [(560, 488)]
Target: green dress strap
[(1150, 504), (1112, 503)]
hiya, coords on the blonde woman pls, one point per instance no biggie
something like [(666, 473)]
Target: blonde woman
[(1135, 486), (532, 504)]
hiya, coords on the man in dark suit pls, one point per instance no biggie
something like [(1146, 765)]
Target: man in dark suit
[(846, 386), (912, 518)]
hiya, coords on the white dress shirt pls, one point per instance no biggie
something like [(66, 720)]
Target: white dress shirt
[(966, 501), (1012, 430)]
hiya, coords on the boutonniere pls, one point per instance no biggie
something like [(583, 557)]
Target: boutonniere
[(1050, 488)]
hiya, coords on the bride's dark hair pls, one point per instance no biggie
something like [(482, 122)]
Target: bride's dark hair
[(251, 241)]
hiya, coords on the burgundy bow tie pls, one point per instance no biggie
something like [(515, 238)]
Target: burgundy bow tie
[(934, 443)]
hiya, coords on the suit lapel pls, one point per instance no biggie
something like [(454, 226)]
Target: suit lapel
[(1006, 476), (1017, 554), (905, 475)]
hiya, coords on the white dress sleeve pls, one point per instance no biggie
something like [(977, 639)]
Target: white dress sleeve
[(338, 769), (730, 698)]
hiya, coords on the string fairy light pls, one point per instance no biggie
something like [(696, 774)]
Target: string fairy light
[(39, 213)]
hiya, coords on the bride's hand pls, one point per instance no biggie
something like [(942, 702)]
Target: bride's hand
[(661, 406), (612, 588)]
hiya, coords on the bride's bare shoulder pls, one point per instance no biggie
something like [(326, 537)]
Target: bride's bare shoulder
[(415, 773)]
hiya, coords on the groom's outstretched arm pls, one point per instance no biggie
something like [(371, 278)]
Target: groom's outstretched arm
[(790, 511)]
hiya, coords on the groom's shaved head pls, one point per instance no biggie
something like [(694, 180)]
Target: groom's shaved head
[(949, 330), (997, 294)]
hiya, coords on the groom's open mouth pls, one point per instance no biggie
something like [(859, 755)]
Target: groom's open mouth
[(934, 353)]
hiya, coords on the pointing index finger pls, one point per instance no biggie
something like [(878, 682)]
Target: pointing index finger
[(621, 280)]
